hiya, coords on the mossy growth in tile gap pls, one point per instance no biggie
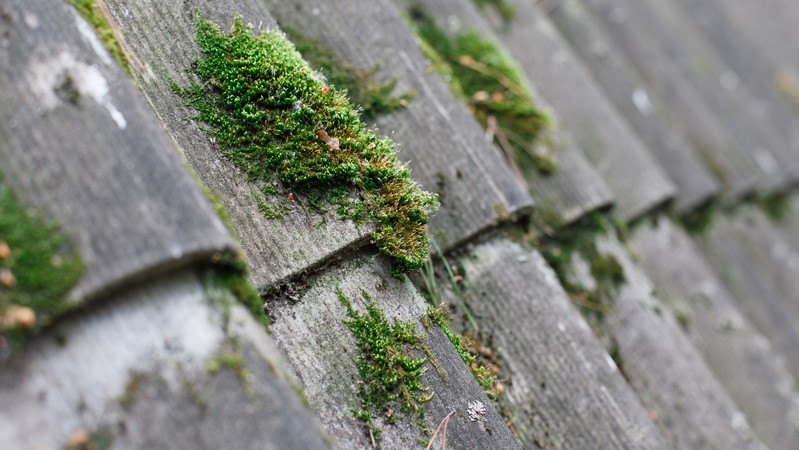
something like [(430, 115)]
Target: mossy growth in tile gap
[(505, 11), (390, 377), (372, 98), (491, 85), (606, 271), (37, 270), (272, 115), (91, 11)]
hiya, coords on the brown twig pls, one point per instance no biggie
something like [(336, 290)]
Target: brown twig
[(443, 423)]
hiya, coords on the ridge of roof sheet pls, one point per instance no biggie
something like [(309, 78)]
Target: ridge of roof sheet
[(635, 178), (667, 139), (741, 357), (446, 149), (96, 161), (162, 36)]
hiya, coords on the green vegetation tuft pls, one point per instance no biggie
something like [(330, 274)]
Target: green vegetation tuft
[(229, 272), (36, 271), (698, 221), (777, 207), (274, 116), (390, 377), (373, 98), (489, 82), (505, 11), (92, 13)]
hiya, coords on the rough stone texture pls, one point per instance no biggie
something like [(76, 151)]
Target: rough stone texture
[(687, 403), (308, 327), (565, 391), (161, 34), (644, 110), (723, 155), (100, 166), (760, 268), (445, 147), (134, 368), (740, 356), (636, 180)]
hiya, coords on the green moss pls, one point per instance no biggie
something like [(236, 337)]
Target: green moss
[(228, 275), (371, 97), (274, 116), (777, 207), (92, 13), (698, 221), (390, 377), (132, 390), (232, 359), (37, 271), (505, 11), (491, 85)]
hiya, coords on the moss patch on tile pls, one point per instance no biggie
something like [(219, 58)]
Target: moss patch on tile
[(226, 278), (487, 80), (273, 116), (371, 97), (505, 11), (390, 377), (37, 271), (92, 13)]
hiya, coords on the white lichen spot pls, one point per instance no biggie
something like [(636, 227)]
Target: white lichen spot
[(47, 77), (30, 20), (738, 421), (641, 101), (611, 362), (561, 327), (476, 410), (88, 34)]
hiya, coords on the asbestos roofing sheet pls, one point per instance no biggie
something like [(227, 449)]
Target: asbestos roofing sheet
[(760, 268), (309, 327), (161, 35), (675, 58), (636, 179), (445, 147), (741, 357), (565, 391), (691, 407), (574, 188), (79, 144), (134, 370), (644, 110)]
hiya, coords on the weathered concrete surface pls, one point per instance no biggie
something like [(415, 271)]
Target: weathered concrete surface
[(635, 178), (760, 268), (565, 391), (644, 110), (686, 401), (78, 143), (161, 34), (445, 147), (308, 327), (134, 369), (741, 357), (724, 148)]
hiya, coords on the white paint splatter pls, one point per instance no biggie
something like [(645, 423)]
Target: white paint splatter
[(641, 101)]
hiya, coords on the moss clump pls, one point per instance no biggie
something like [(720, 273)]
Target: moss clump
[(373, 98), (92, 13), (698, 221), (486, 79), (777, 207), (228, 272), (274, 116), (607, 272), (232, 359), (390, 377), (505, 11), (36, 271)]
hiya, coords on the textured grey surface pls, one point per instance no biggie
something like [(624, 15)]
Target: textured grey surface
[(445, 147), (760, 268), (634, 176), (742, 358), (134, 367), (101, 165), (644, 110), (308, 328), (688, 404), (161, 34), (565, 390), (683, 69)]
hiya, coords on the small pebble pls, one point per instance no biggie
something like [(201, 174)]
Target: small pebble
[(18, 316), (5, 250), (7, 278)]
